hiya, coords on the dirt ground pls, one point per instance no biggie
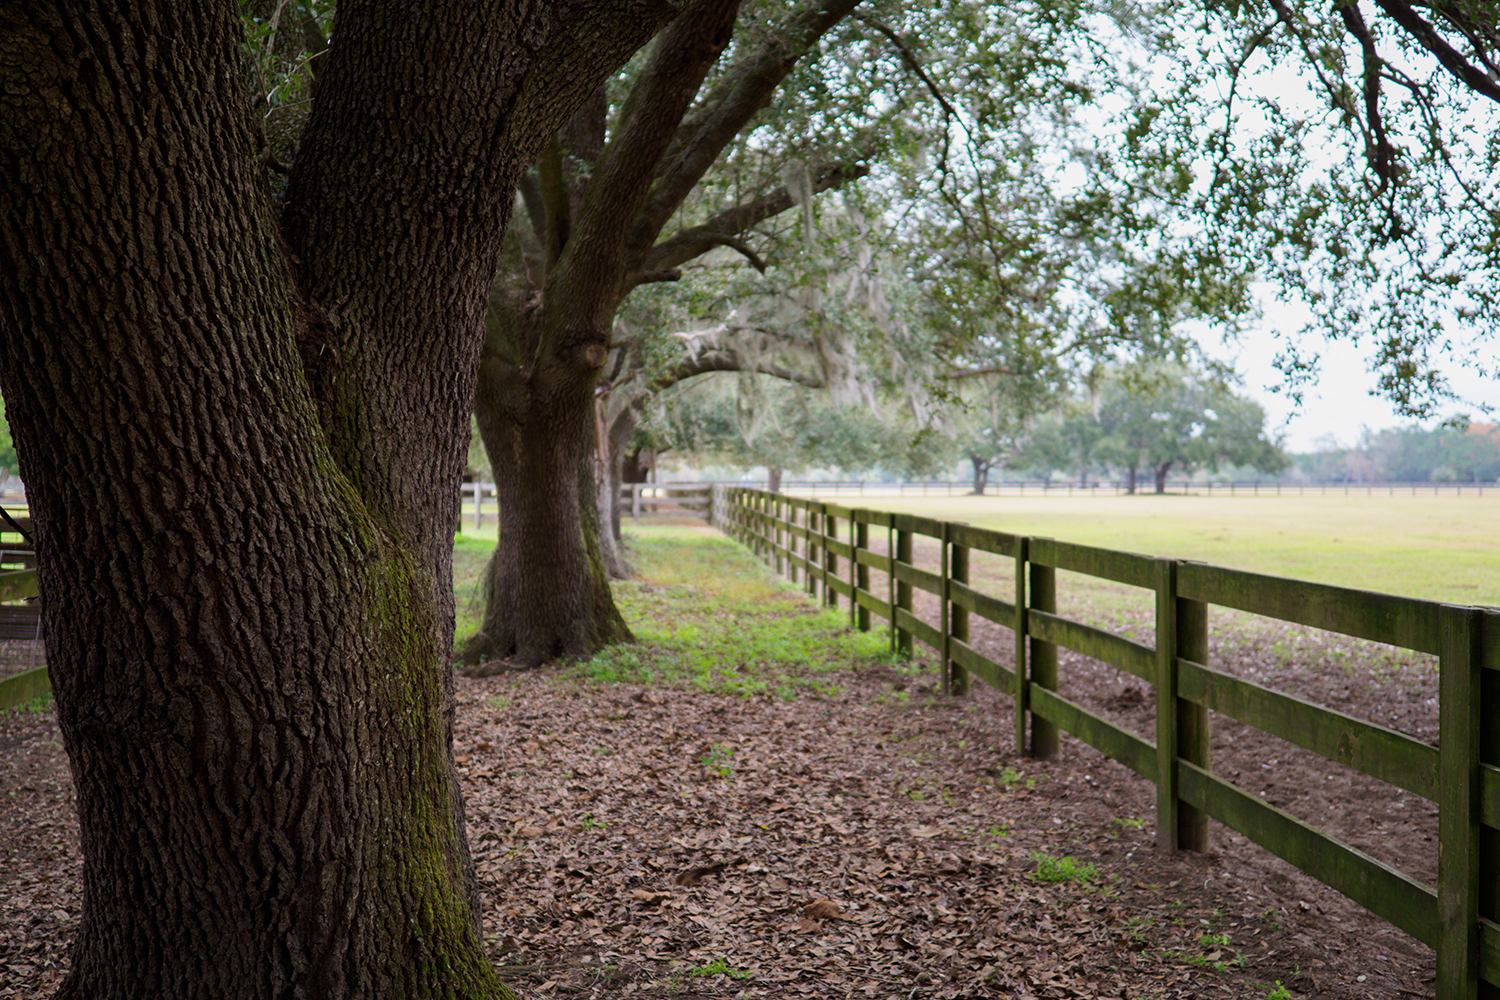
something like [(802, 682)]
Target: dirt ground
[(875, 840)]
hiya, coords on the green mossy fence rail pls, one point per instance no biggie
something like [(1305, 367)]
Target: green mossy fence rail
[(827, 547), (19, 614)]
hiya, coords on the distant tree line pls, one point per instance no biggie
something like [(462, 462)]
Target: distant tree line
[(1409, 455)]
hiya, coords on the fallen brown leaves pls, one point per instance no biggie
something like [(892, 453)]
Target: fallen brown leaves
[(866, 845), (880, 843)]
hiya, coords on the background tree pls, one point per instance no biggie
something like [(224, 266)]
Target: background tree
[(965, 118), (791, 429), (1369, 197), (244, 521), (1165, 416), (605, 191)]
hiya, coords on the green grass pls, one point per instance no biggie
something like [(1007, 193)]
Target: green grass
[(1057, 871), (707, 614), (471, 555), (1443, 548)]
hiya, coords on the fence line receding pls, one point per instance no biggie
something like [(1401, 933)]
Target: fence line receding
[(831, 549)]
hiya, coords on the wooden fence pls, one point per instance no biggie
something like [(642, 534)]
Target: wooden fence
[(828, 548), (637, 500), (1144, 487), (20, 614)]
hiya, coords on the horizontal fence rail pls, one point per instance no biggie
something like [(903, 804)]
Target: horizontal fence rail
[(1115, 487), (831, 549), (20, 612), (637, 500)]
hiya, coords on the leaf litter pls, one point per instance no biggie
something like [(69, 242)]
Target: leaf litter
[(862, 837)]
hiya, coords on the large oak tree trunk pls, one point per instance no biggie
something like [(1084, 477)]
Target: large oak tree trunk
[(242, 465), (547, 588)]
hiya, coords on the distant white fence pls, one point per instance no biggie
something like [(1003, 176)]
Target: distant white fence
[(637, 500)]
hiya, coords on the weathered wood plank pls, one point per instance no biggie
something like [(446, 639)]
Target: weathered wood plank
[(922, 579), (1489, 950), (1391, 756), (1101, 734), (1458, 795), (996, 676), (837, 548), (928, 634), (18, 585), (1489, 794), (839, 585), (983, 539), (1379, 888), (874, 604), (982, 604), (1116, 650), (1399, 621), (18, 689), (929, 526), (1122, 567), (1490, 641), (875, 559)]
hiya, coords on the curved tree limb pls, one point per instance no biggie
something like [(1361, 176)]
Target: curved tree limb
[(727, 109), (680, 59), (1451, 59), (726, 227)]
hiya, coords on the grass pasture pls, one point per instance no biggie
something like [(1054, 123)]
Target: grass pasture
[(1435, 548)]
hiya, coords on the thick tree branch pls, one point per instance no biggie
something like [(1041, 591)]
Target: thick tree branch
[(727, 227), (1378, 149), (962, 373), (727, 109), (679, 61), (1451, 59)]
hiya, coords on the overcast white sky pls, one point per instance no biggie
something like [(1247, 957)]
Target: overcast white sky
[(1340, 404)]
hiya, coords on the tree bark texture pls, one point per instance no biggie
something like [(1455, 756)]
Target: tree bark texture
[(599, 209), (547, 588), (242, 447)]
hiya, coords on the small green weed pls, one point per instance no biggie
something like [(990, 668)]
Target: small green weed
[(35, 706), (498, 701), (1271, 919), (1120, 824), (591, 823), (1213, 940), (1010, 776), (1278, 992), (1054, 871), (719, 967), (719, 760)]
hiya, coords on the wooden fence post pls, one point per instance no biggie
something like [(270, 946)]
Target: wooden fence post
[(777, 537), (903, 594), (810, 553), (830, 558), (1489, 753), (1042, 660), (1182, 729), (945, 650), (1019, 693), (890, 578), (791, 541), (857, 538), (1166, 705), (1458, 890), (958, 617)]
